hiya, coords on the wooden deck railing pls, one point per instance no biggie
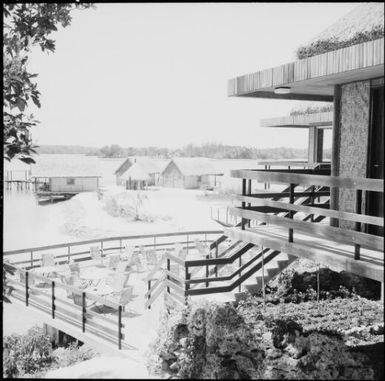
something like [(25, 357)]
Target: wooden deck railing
[(358, 237), (79, 250), (48, 300)]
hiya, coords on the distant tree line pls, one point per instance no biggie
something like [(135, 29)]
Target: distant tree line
[(211, 150)]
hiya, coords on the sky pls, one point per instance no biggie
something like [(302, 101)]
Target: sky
[(156, 74)]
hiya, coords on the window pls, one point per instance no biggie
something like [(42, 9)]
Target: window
[(70, 181)]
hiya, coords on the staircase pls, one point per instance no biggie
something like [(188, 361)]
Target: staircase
[(274, 262)]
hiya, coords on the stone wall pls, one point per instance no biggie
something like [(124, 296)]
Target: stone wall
[(353, 140)]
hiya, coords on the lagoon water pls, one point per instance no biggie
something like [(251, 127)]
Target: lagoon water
[(27, 224)]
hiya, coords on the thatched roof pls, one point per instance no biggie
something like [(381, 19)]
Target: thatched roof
[(148, 165), (195, 166), (136, 172), (363, 18), (67, 166)]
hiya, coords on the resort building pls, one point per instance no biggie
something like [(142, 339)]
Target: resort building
[(352, 78), (65, 179), (190, 173), (136, 177), (152, 167)]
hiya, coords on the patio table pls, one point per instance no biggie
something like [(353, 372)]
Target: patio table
[(94, 274)]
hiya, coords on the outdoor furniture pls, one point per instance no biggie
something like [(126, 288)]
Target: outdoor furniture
[(128, 254), (94, 275), (113, 261), (119, 281), (123, 296), (96, 254), (48, 260), (74, 268), (122, 267)]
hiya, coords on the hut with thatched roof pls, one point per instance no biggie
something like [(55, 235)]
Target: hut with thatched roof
[(136, 177), (190, 173), (153, 167)]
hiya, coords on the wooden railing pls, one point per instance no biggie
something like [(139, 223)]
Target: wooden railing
[(80, 251), (357, 237), (48, 301)]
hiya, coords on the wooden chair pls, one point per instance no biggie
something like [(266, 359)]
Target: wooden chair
[(48, 260), (128, 255), (122, 267), (113, 261), (119, 281), (96, 254), (74, 268), (123, 297)]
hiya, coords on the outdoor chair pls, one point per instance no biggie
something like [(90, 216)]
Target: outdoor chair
[(113, 261), (119, 281), (151, 257), (122, 267), (123, 296), (48, 260), (128, 255), (74, 268), (141, 263), (69, 280), (96, 254)]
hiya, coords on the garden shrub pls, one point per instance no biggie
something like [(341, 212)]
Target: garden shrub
[(301, 341), (27, 353), (31, 355)]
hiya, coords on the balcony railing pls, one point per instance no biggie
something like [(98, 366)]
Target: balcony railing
[(259, 207)]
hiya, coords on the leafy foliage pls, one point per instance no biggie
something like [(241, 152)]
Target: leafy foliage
[(248, 341), (328, 45), (26, 25), (32, 355), (26, 353)]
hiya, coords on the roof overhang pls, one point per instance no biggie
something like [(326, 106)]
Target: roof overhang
[(318, 119), (314, 78)]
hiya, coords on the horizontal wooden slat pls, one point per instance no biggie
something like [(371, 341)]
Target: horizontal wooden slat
[(330, 256), (328, 232), (379, 221), (374, 185)]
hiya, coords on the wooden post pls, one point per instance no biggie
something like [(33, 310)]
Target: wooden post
[(240, 273), (168, 269), (149, 294), (26, 289), (84, 310), (69, 253), (335, 162), (291, 213), (207, 270), (186, 285), (187, 243), (120, 327), (31, 258), (358, 224), (249, 192), (53, 299), (243, 203)]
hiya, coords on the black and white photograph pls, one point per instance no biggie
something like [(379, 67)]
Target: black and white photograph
[(193, 190)]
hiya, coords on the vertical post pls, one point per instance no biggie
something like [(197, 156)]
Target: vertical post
[(53, 299), (149, 294), (101, 248), (207, 270), (227, 215), (312, 202), (69, 253), (31, 258), (249, 193), (243, 222), (120, 245), (240, 273), (216, 266), (265, 184), (168, 269), (291, 200), (26, 288), (84, 311), (187, 243), (154, 243), (358, 224), (120, 327), (186, 285)]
